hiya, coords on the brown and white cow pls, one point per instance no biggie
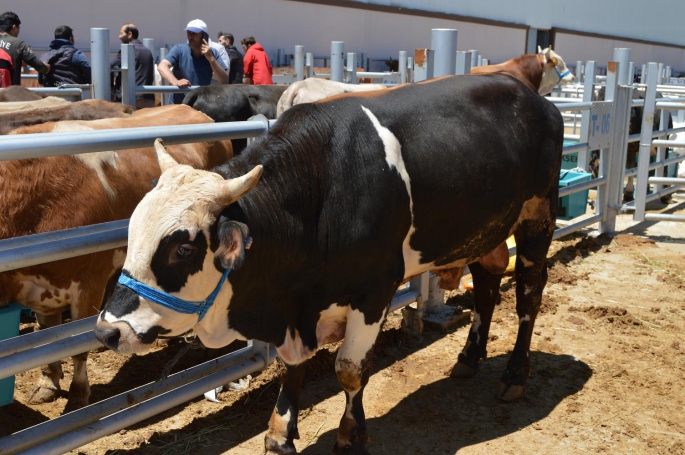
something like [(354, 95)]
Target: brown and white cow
[(61, 192), (542, 71), (80, 110)]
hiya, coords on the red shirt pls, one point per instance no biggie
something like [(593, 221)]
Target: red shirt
[(257, 65)]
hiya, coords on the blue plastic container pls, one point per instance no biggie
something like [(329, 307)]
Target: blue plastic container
[(573, 205), (9, 327), (569, 161)]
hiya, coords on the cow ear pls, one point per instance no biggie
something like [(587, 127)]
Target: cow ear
[(233, 241), (539, 50)]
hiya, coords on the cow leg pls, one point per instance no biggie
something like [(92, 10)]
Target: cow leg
[(486, 292), (47, 387), (79, 390), (532, 243), (283, 423), (353, 368)]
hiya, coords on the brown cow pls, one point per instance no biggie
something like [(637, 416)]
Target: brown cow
[(18, 93), (541, 72), (61, 192), (79, 110)]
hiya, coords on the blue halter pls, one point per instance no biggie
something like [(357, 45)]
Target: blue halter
[(171, 302), (560, 74)]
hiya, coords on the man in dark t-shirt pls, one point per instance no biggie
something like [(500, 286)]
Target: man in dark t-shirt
[(145, 73), (17, 49)]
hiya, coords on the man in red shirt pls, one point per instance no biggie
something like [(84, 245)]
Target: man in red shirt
[(257, 67)]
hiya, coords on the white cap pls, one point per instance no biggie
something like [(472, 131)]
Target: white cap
[(197, 26)]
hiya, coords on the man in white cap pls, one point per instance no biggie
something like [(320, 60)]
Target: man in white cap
[(193, 63)]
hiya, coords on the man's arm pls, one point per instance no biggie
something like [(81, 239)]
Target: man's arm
[(217, 65), (164, 68), (247, 69), (32, 59)]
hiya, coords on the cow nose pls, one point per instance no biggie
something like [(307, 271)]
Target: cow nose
[(109, 336)]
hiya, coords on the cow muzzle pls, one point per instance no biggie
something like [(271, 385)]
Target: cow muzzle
[(120, 337)]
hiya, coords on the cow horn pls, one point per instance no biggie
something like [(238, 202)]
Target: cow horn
[(163, 158), (231, 190)]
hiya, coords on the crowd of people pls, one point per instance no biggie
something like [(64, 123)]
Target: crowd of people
[(199, 61)]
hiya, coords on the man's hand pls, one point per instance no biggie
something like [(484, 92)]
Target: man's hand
[(207, 50), (49, 67), (182, 83)]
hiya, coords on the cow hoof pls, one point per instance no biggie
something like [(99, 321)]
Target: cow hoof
[(40, 395), (273, 448), (462, 370), (511, 392), (628, 197)]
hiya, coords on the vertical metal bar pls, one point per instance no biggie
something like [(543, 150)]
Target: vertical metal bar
[(309, 64), (660, 73), (622, 56), (99, 56), (402, 66), (128, 75), (463, 62), (602, 205), (410, 68), (661, 151), (150, 44), (280, 57), (362, 61), (337, 60), (579, 71), (444, 45), (423, 64), (299, 63), (631, 73), (162, 97), (474, 58), (485, 62), (643, 74), (645, 142), (667, 75), (588, 91), (352, 68)]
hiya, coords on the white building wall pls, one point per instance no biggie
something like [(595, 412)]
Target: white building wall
[(282, 24)]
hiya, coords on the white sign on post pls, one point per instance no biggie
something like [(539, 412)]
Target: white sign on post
[(599, 135)]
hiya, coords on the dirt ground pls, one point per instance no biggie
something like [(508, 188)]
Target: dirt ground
[(608, 372)]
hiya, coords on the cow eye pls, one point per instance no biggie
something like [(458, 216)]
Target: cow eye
[(184, 251)]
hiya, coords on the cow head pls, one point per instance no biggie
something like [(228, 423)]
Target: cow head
[(177, 258), (555, 73)]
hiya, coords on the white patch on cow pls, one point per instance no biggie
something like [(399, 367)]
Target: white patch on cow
[(359, 337), (348, 408), (525, 261), (40, 294), (528, 290), (96, 161), (525, 318), (476, 325), (283, 420), (314, 89), (329, 328), (393, 156)]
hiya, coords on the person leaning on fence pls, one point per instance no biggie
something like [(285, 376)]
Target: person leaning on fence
[(235, 70), (193, 63), (256, 64), (68, 65), (145, 66), (14, 52)]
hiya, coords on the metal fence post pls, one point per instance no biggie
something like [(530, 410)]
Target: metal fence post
[(128, 75), (337, 60), (463, 62), (150, 44), (604, 206), (474, 58), (622, 56), (643, 74), (402, 66), (579, 71), (645, 142), (309, 64), (299, 63), (631, 73), (444, 45), (352, 68), (280, 57), (588, 92), (162, 53), (99, 56), (423, 64), (410, 68)]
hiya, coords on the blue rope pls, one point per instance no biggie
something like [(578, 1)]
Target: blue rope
[(171, 302), (561, 75)]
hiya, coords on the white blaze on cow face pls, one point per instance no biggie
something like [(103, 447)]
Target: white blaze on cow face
[(393, 156)]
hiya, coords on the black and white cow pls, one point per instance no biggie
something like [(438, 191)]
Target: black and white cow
[(345, 199)]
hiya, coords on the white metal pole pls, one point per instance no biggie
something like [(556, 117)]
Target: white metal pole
[(99, 56), (299, 63), (128, 73), (337, 60), (402, 67), (444, 45), (352, 68)]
